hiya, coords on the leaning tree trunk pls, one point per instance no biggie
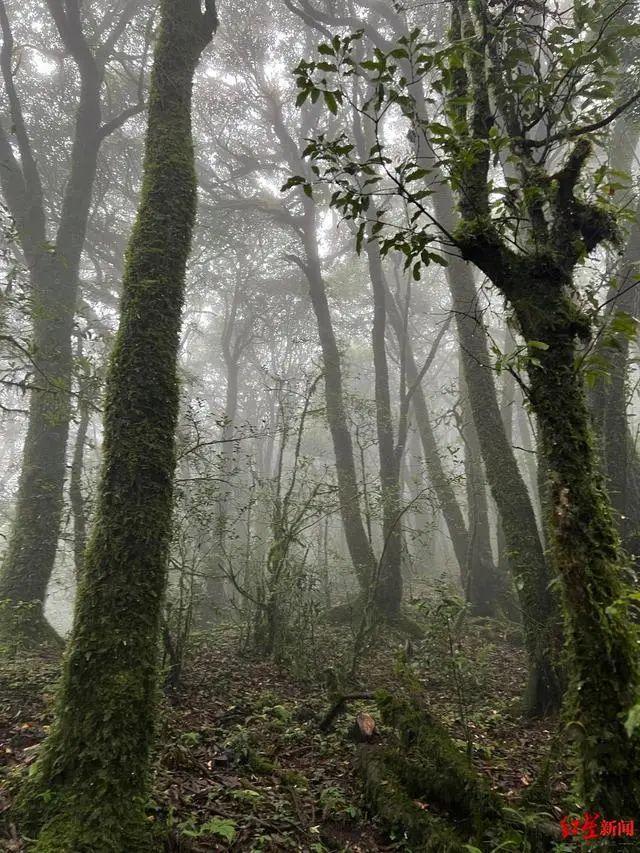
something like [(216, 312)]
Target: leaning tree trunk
[(609, 405), (88, 790), (608, 398), (441, 483), (527, 560), (360, 551)]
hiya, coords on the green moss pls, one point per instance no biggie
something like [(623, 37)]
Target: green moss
[(88, 788), (389, 800), (422, 765), (431, 766), (601, 643), (602, 657)]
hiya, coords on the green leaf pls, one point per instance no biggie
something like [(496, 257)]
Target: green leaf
[(537, 345), (633, 720), (330, 101), (294, 181), (624, 324), (224, 828)]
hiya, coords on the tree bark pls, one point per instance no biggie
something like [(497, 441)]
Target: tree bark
[(449, 505), (360, 550), (481, 580), (389, 587), (603, 654), (88, 790), (53, 271), (76, 496), (609, 405), (530, 570)]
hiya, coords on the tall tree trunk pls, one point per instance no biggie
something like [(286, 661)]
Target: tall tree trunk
[(389, 588), (530, 569), (507, 402), (30, 557), (76, 496), (88, 790), (609, 404), (507, 486), (360, 550), (608, 398), (216, 568), (604, 671), (481, 581), (449, 505)]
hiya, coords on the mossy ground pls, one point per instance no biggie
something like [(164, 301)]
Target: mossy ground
[(240, 751)]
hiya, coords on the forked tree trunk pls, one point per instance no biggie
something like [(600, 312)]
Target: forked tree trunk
[(389, 591), (33, 543), (358, 544), (441, 483), (88, 791)]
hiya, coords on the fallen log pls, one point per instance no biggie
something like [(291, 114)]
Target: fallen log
[(407, 819), (421, 774)]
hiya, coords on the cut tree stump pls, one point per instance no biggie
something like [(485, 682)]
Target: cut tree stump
[(364, 728)]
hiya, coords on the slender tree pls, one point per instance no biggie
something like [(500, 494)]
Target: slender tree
[(88, 791)]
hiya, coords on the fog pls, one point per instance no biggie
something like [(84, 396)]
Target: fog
[(407, 363)]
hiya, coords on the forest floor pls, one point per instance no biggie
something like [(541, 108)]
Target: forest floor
[(243, 764)]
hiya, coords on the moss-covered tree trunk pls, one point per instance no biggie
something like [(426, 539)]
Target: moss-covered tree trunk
[(88, 791), (563, 228), (528, 564), (53, 271), (603, 655), (33, 542)]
